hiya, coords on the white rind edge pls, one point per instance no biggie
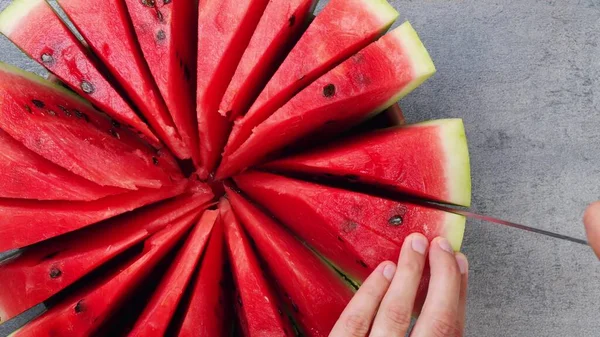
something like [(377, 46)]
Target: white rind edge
[(383, 11), (11, 16)]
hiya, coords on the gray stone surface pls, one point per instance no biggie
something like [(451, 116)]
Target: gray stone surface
[(525, 76)]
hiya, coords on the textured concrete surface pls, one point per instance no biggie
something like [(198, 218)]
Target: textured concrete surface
[(525, 76)]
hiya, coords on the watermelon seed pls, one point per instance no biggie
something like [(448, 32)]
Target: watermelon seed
[(292, 20), (362, 263), (329, 90), (28, 108), (65, 110), (47, 58), (155, 161), (115, 124), (396, 220), (148, 3), (161, 35), (340, 239), (55, 272), (186, 72), (114, 133), (87, 87), (166, 2), (38, 103), (80, 115), (159, 15), (79, 307)]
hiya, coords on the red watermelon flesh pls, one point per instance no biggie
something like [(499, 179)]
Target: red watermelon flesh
[(114, 43), (157, 315), (82, 313), (169, 47), (428, 160), (224, 31), (320, 214), (24, 174), (257, 304), (25, 222), (37, 30), (317, 294), (206, 312), (62, 128), (339, 31), (280, 27), (367, 83)]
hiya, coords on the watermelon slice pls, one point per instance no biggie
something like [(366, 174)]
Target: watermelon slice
[(116, 46), (25, 222), (282, 24), (205, 314), (430, 160), (37, 30), (317, 294), (367, 83), (339, 31), (24, 174), (257, 304), (163, 30), (84, 312), (62, 128), (224, 31), (162, 306), (350, 222)]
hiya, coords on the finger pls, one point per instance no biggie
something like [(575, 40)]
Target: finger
[(463, 266), (440, 311), (355, 320), (395, 312), (591, 220)]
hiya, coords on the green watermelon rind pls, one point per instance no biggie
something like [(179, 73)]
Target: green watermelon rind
[(12, 15)]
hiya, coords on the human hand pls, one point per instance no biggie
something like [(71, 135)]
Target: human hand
[(383, 305), (591, 220)]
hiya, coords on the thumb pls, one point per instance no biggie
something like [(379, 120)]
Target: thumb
[(591, 220)]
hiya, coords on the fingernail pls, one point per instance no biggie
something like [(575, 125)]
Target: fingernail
[(419, 244), (445, 245), (463, 264), (388, 271)]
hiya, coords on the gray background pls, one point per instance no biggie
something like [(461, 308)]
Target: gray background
[(525, 76)]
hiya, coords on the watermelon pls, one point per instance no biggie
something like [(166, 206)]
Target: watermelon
[(67, 131), (367, 83), (205, 313), (219, 52), (257, 304), (283, 22), (37, 30), (339, 31), (430, 161), (316, 293), (158, 313), (168, 44), (83, 313)]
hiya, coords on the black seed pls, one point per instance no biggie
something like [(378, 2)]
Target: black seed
[(38, 103), (114, 133), (79, 307), (329, 90), (352, 177), (55, 272), (362, 263), (166, 2), (159, 15), (87, 87), (47, 58), (292, 20), (65, 111), (160, 35), (115, 124), (81, 115), (186, 73), (149, 3), (295, 307), (28, 108), (155, 161), (49, 256), (340, 239), (239, 300), (396, 220)]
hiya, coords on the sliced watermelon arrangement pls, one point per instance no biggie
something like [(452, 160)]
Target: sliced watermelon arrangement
[(244, 165)]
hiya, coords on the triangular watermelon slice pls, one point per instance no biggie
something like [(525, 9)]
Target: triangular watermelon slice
[(59, 126), (224, 31), (351, 222), (205, 314), (257, 304), (367, 83), (50, 266), (317, 295), (82, 313), (157, 315), (280, 27), (25, 222), (428, 160), (339, 31), (114, 43), (24, 174), (37, 30), (168, 42)]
